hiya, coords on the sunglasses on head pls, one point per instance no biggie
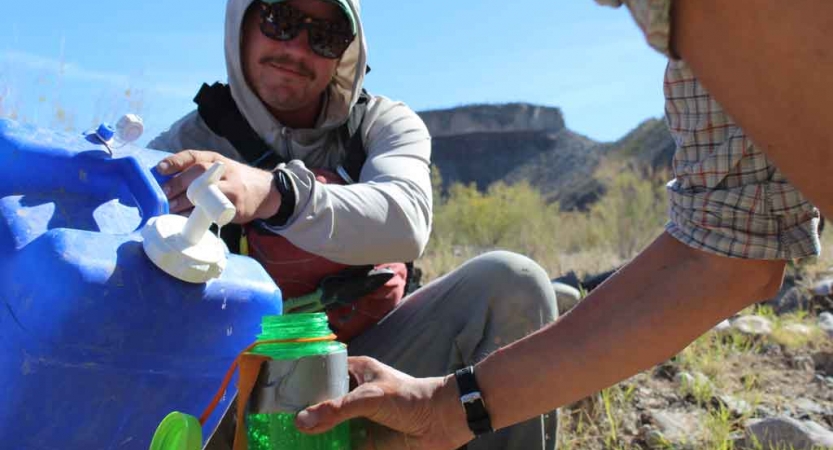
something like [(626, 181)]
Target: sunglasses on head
[(282, 22)]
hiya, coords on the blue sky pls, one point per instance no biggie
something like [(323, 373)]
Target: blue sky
[(73, 64)]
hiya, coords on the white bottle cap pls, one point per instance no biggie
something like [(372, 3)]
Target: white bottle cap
[(130, 128)]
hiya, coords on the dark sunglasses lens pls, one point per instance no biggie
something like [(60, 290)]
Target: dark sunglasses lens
[(280, 21), (328, 44), (277, 32)]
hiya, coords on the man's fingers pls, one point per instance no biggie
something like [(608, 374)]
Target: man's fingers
[(358, 367), (363, 402), (232, 191), (366, 369), (176, 186), (180, 205), (183, 160), (189, 165)]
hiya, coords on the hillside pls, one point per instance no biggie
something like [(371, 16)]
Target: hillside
[(483, 144)]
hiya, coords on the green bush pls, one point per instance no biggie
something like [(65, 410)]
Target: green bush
[(517, 217), (630, 215)]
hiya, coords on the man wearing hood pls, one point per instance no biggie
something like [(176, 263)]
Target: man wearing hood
[(312, 205)]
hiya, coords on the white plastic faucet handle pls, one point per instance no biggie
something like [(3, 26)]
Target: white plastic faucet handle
[(204, 193), (210, 204)]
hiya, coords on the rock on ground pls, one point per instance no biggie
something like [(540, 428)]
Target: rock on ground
[(784, 432)]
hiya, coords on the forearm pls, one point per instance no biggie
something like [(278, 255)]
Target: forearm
[(386, 216), (380, 222), (363, 223), (768, 63), (649, 311)]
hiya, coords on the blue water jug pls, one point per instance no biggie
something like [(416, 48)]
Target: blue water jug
[(97, 344)]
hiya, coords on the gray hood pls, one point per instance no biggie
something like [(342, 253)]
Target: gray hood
[(343, 92)]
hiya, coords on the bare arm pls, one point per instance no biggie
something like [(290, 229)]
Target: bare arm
[(668, 296), (769, 63), (649, 311)]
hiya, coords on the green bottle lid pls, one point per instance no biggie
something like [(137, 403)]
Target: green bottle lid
[(177, 431)]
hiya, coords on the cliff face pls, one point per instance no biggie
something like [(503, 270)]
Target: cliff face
[(512, 117), (483, 144)]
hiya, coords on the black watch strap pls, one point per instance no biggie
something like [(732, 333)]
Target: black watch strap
[(476, 414), (284, 186)]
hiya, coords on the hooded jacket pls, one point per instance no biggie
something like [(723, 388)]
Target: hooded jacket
[(386, 215)]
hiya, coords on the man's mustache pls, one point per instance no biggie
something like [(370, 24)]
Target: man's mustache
[(289, 63)]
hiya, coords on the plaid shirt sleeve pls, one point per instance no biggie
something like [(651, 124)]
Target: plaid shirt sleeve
[(727, 196), (653, 18)]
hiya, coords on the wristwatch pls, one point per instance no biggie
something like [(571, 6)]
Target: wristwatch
[(476, 414), (287, 190)]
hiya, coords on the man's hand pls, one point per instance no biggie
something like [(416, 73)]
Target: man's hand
[(415, 413), (250, 190)]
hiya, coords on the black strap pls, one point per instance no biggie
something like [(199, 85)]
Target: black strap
[(284, 187), (413, 281), (220, 112), (476, 414)]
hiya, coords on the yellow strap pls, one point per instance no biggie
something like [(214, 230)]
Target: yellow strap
[(244, 244)]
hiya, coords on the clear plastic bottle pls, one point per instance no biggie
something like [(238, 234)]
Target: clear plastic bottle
[(276, 430)]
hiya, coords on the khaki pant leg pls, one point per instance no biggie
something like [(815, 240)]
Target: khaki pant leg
[(459, 319)]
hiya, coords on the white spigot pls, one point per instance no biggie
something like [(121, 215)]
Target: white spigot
[(185, 248), (210, 204)]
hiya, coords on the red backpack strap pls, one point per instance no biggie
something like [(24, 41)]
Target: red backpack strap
[(300, 273)]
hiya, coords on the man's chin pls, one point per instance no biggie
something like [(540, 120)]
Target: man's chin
[(282, 97), (284, 103)]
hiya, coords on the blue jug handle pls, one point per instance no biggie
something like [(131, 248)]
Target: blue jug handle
[(147, 190), (160, 179)]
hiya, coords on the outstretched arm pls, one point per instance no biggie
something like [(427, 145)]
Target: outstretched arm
[(647, 312)]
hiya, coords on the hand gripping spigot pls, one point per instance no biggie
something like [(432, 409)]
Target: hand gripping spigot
[(185, 248)]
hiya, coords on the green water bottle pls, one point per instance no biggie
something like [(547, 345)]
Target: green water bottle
[(298, 375)]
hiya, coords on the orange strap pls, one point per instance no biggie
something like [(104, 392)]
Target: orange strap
[(249, 369), (227, 379)]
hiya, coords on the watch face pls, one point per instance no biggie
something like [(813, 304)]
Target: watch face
[(471, 397)]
